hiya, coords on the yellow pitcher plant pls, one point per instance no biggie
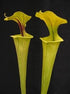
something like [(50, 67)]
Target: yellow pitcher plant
[(21, 42), (50, 45)]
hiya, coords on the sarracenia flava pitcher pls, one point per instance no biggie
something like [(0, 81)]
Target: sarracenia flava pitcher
[(21, 42), (50, 45)]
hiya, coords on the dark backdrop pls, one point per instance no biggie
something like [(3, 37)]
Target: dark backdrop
[(9, 75)]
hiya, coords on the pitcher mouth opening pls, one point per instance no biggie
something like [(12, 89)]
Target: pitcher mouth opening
[(23, 37), (50, 41)]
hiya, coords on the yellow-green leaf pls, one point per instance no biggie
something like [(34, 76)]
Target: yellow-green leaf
[(20, 18), (50, 46), (53, 22)]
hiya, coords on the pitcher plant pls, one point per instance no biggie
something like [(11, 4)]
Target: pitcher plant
[(50, 45), (21, 42)]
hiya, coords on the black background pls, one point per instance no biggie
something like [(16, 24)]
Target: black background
[(9, 75)]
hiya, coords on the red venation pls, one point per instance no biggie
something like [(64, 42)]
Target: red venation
[(21, 27)]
